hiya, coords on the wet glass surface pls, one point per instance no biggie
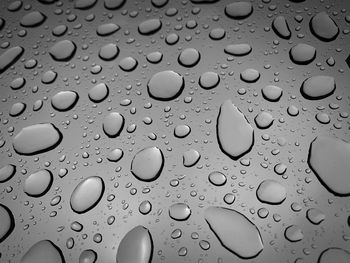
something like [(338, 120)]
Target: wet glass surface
[(174, 131)]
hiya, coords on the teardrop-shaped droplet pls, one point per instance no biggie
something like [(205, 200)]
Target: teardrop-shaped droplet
[(228, 225), (235, 134)]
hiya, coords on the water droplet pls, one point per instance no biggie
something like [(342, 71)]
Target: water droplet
[(281, 27), (165, 85), (87, 194), (179, 211), (329, 160), (33, 19), (318, 87), (88, 256), (272, 93), (7, 222), (239, 10), (36, 139), (302, 54), (293, 233), (64, 100), (9, 57), (229, 224), (271, 192), (147, 164), (136, 246), (98, 93), (238, 49), (150, 26), (7, 172), (209, 80), (113, 124), (334, 254), (235, 134), (38, 183), (189, 57), (217, 178), (324, 27), (63, 50), (43, 251)]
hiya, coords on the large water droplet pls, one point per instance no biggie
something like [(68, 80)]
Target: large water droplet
[(329, 159), (36, 139), (63, 50), (179, 211), (87, 194), (7, 222), (113, 124), (147, 164), (324, 27), (64, 100), (165, 85), (239, 10), (43, 252), (38, 183), (271, 192), (228, 225), (235, 134), (318, 87), (136, 246)]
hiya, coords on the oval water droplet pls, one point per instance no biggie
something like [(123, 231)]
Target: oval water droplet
[(36, 139), (87, 194), (147, 164)]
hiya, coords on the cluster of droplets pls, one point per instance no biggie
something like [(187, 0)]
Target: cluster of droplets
[(162, 82)]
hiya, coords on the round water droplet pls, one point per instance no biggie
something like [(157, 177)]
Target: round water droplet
[(293, 233), (98, 93), (271, 192), (38, 183), (272, 93), (179, 211), (189, 57), (209, 80), (302, 54), (88, 256), (250, 75), (217, 178), (165, 85), (147, 164), (64, 100), (63, 50), (263, 120)]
